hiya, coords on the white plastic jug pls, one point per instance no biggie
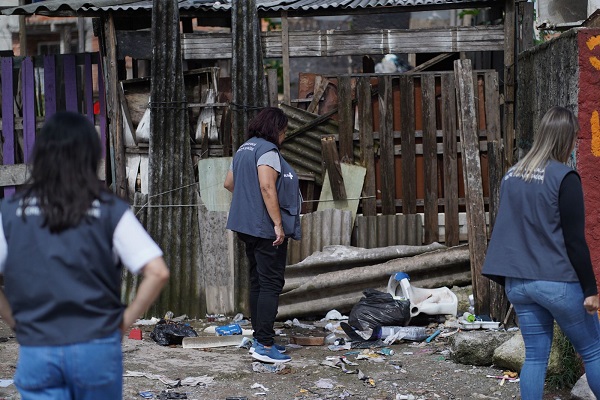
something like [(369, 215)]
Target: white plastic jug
[(439, 301)]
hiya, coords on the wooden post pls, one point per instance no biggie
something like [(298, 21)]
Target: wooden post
[(450, 160), (509, 80), (346, 119), (272, 86), (407, 141), (8, 117), (469, 139), (22, 32), (332, 166), (365, 120), (320, 85), (285, 55), (430, 173), (386, 141), (114, 107)]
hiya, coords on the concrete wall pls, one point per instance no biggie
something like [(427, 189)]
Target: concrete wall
[(566, 72)]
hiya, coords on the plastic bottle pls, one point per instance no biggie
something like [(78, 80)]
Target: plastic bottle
[(227, 330), (469, 317), (330, 339), (411, 332)]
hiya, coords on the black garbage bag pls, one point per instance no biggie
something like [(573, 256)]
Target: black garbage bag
[(166, 332), (379, 309)]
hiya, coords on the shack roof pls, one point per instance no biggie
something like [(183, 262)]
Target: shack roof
[(220, 7)]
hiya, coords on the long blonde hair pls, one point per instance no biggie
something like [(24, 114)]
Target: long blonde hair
[(553, 140)]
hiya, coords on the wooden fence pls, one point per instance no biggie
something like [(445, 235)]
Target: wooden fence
[(407, 131), (35, 88)]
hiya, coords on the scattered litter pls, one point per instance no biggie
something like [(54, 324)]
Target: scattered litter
[(334, 315), (503, 378), (238, 317), (308, 340), (267, 368), (180, 318), (135, 334), (325, 383), (147, 395), (168, 315), (215, 317), (386, 351), (405, 397), (164, 395), (246, 343), (298, 324), (151, 321), (366, 379), (6, 382), (433, 335), (339, 347), (293, 346), (167, 332), (259, 386), (190, 381)]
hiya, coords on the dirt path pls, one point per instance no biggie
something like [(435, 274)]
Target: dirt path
[(424, 372)]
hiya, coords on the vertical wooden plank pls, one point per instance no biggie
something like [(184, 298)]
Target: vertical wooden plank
[(430, 158), (320, 85), (527, 25), (70, 74), (114, 108), (50, 85), (509, 80), (102, 104), (477, 230), (28, 94), (365, 118), (333, 168), (8, 117), (88, 87), (285, 57), (492, 106), (407, 138), (386, 140), (449, 160), (346, 119), (272, 86)]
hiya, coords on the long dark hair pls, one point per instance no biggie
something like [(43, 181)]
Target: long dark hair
[(64, 181), (267, 124)]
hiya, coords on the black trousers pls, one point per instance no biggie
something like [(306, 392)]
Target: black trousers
[(267, 269)]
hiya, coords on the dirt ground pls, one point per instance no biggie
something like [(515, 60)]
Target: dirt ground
[(414, 371)]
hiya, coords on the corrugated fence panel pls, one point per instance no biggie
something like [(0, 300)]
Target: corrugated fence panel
[(319, 229), (388, 230)]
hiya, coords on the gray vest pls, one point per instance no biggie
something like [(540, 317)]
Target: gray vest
[(527, 241), (64, 287), (248, 213)]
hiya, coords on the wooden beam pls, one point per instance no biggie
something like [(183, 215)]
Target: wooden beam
[(429, 63), (331, 161), (320, 85), (477, 229), (114, 107), (450, 160), (285, 56), (272, 87), (386, 127), (345, 119), (509, 81), (365, 120), (430, 171)]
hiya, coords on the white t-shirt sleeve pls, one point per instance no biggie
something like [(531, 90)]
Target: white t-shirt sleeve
[(270, 158), (3, 247), (132, 244)]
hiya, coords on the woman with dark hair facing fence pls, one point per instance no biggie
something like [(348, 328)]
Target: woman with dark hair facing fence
[(539, 252), (265, 212), (62, 242)]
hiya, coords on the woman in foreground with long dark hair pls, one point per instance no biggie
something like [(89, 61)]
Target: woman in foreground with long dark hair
[(62, 243)]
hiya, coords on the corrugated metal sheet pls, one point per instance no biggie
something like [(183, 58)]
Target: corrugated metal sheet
[(320, 229), (87, 6)]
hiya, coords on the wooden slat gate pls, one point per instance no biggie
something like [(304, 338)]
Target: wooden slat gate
[(35, 88), (409, 142)]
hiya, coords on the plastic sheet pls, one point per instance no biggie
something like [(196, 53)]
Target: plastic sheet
[(167, 333)]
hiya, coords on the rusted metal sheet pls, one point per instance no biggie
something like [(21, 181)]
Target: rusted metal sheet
[(320, 229), (340, 290)]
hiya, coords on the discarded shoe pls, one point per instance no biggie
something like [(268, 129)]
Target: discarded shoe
[(269, 354), (279, 348)]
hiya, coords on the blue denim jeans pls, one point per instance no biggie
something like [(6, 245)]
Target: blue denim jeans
[(267, 270), (538, 304), (90, 370)]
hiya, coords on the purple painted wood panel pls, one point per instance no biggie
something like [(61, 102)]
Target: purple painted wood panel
[(70, 72), (8, 115), (28, 107), (102, 102), (50, 85), (89, 88)]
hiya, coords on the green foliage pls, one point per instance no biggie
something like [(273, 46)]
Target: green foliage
[(468, 12), (571, 364)]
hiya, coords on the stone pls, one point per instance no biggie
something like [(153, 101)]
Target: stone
[(511, 355), (476, 347), (581, 390)]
